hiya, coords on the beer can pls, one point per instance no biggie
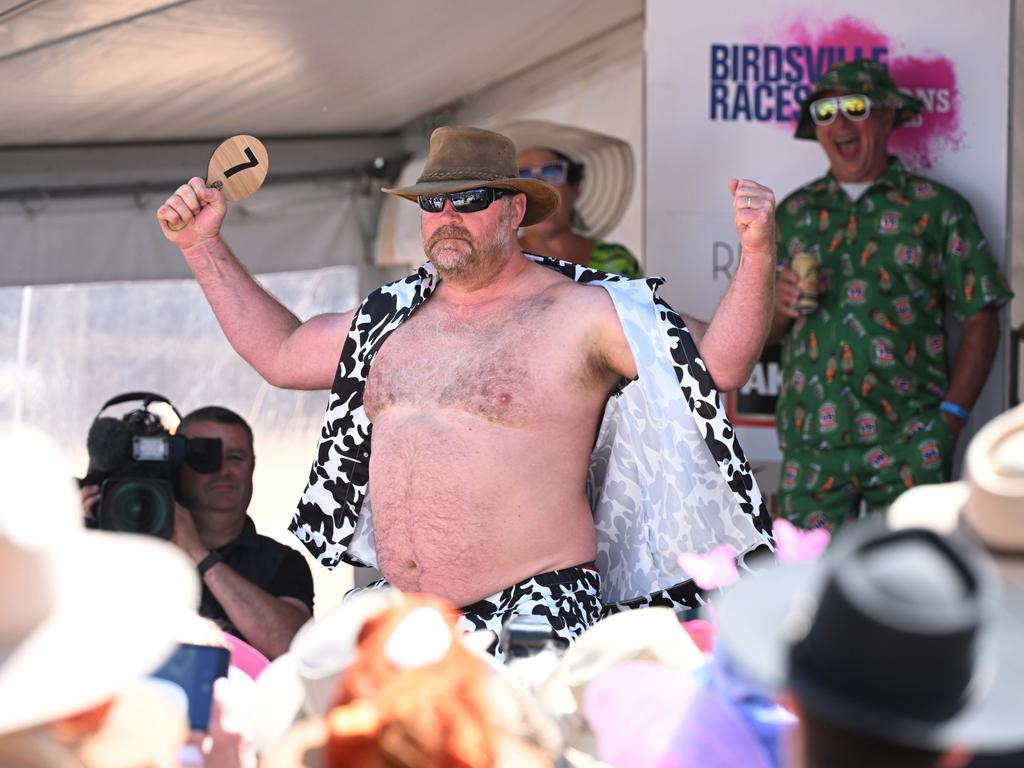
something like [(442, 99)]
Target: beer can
[(806, 267)]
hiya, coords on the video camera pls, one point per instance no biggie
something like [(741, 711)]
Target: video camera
[(135, 460)]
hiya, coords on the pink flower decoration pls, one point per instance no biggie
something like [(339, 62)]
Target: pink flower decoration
[(715, 569), (795, 544)]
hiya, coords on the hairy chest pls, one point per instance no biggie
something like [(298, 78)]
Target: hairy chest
[(508, 367)]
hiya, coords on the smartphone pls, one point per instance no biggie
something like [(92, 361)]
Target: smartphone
[(194, 668)]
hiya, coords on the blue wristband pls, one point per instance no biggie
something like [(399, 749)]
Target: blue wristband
[(961, 413)]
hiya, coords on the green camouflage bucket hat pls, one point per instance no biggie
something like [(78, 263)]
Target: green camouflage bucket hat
[(871, 78)]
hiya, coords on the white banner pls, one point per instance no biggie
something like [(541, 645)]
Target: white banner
[(723, 87)]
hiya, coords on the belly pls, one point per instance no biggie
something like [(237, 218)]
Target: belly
[(464, 507)]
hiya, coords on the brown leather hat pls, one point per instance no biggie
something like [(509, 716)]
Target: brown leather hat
[(465, 158)]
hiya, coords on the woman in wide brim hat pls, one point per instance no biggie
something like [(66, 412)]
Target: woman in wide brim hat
[(593, 173)]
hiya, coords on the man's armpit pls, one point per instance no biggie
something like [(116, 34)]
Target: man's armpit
[(595, 368), (613, 353)]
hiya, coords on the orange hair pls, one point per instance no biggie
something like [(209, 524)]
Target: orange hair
[(430, 714)]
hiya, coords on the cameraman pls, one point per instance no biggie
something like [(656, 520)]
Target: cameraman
[(253, 586)]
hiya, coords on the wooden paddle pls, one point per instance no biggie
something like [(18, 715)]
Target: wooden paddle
[(238, 168)]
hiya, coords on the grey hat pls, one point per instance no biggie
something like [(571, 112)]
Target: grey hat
[(901, 635)]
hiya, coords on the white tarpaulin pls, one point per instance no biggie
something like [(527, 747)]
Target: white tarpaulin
[(149, 70), (102, 238), (67, 349)]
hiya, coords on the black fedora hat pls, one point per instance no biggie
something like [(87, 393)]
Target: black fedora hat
[(901, 635)]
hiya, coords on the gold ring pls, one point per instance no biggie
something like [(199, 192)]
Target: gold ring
[(748, 202)]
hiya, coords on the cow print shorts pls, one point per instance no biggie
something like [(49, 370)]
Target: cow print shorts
[(568, 599)]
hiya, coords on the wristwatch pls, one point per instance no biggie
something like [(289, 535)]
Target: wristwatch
[(208, 562)]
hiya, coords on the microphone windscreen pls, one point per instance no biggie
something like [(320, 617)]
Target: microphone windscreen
[(109, 444)]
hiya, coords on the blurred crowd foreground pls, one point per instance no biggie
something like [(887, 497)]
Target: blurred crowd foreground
[(900, 645)]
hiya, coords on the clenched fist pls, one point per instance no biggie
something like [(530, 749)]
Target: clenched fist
[(192, 214), (754, 215)]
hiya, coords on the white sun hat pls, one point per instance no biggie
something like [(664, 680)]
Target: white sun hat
[(608, 167), (83, 614)]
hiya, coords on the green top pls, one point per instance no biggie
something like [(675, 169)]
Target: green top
[(614, 258), (871, 362)]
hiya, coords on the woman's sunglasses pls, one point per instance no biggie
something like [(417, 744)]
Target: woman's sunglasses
[(465, 201), (552, 173), (856, 106)]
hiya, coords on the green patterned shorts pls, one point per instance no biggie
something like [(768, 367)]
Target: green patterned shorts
[(826, 487)]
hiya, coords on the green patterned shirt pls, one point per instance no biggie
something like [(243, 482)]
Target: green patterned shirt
[(614, 258), (871, 362)]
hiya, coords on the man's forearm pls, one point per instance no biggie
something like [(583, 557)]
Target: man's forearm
[(257, 325), (268, 623), (974, 360), (736, 334)]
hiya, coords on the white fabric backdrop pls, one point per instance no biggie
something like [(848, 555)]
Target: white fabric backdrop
[(66, 349), (91, 239)]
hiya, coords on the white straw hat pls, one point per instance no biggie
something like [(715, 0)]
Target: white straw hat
[(83, 614), (609, 168)]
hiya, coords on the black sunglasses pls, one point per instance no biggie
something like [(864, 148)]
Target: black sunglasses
[(466, 201)]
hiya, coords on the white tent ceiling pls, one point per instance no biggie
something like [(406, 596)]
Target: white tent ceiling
[(105, 71), (127, 98)]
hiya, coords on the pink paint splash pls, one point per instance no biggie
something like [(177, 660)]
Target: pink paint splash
[(928, 75), (847, 31), (932, 79)]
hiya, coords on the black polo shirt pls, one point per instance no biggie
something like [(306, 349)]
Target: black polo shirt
[(272, 566)]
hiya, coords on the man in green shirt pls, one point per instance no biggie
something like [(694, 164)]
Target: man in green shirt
[(868, 406)]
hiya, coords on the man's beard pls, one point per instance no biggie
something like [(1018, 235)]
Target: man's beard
[(451, 258), (466, 260)]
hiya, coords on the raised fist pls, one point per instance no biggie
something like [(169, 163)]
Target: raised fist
[(754, 215), (192, 214)]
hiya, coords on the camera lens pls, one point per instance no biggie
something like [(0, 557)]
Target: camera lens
[(138, 506)]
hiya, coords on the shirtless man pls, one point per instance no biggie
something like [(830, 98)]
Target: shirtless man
[(484, 404)]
